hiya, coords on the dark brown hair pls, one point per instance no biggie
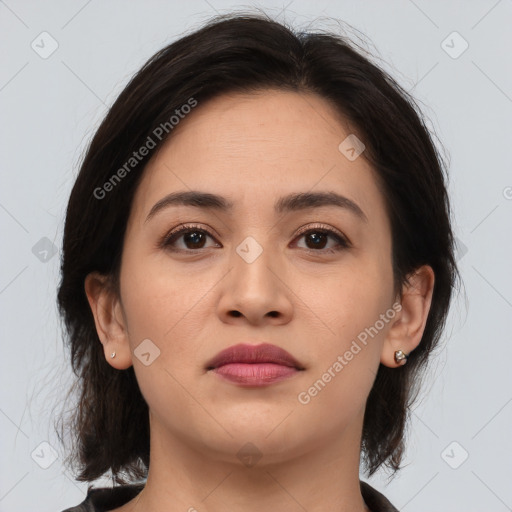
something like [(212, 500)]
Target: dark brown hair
[(248, 53)]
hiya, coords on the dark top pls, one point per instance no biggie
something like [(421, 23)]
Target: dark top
[(105, 499)]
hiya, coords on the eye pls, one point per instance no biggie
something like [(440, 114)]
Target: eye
[(317, 237), (193, 238)]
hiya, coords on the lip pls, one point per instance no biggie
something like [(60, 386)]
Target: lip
[(254, 365)]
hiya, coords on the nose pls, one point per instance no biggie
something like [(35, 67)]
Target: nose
[(255, 291)]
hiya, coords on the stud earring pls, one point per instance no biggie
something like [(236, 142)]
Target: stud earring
[(400, 357), (113, 355)]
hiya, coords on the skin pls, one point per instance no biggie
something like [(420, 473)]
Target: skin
[(234, 146)]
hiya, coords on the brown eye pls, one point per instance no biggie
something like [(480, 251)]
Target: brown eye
[(192, 238), (195, 238), (317, 239)]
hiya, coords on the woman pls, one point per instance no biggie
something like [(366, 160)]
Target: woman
[(257, 263)]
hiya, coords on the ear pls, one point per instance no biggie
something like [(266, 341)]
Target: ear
[(109, 319), (407, 330)]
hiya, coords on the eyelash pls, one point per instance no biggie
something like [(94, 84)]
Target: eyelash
[(343, 243)]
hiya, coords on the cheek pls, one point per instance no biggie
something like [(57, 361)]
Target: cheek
[(157, 300), (346, 356), (350, 300), (160, 307)]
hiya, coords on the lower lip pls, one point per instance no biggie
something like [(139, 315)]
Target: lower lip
[(255, 374)]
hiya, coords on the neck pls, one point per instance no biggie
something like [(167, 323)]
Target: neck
[(183, 476)]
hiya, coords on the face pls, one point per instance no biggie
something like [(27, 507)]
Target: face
[(310, 278)]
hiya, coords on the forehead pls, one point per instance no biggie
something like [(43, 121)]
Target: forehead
[(252, 148)]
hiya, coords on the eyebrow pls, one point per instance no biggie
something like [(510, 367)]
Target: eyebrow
[(289, 203)]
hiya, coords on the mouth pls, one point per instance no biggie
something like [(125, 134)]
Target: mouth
[(254, 365)]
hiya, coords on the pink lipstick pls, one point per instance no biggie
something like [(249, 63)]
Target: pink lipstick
[(254, 365)]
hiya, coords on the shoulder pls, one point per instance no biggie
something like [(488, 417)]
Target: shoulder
[(375, 500), (103, 499)]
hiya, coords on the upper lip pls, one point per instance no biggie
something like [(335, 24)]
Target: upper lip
[(263, 353)]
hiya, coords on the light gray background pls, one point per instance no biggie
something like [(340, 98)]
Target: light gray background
[(49, 110)]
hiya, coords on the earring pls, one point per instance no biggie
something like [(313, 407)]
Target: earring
[(113, 355), (400, 357)]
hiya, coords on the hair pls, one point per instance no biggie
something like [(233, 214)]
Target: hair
[(247, 53)]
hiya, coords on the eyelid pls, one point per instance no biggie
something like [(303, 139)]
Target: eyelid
[(323, 227), (190, 227)]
